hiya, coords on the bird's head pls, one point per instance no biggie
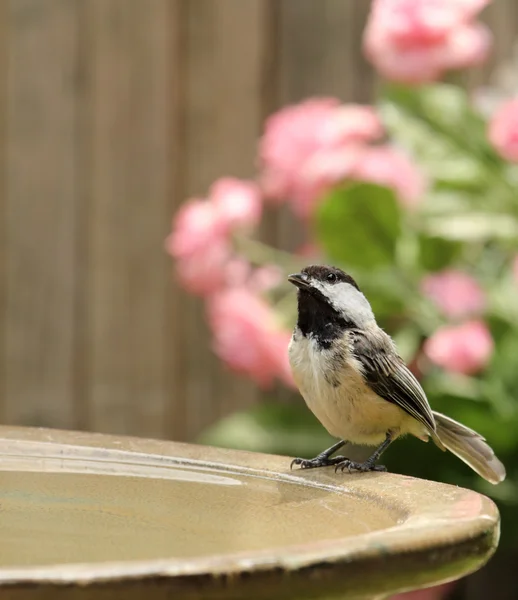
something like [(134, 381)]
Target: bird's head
[(329, 289)]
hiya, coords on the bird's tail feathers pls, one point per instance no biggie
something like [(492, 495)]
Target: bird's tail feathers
[(470, 447)]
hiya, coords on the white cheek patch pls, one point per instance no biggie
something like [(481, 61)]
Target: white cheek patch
[(347, 300)]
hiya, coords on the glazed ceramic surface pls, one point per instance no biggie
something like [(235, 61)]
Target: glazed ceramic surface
[(93, 516)]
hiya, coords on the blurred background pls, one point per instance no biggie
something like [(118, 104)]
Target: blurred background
[(112, 113)]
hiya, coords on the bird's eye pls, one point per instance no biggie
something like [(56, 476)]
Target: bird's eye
[(331, 277)]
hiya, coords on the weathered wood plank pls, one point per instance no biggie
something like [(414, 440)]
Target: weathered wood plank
[(112, 113), (224, 49), (128, 272), (320, 50), (4, 47), (320, 55), (40, 213)]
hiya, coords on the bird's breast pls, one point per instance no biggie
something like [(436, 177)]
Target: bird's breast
[(334, 389)]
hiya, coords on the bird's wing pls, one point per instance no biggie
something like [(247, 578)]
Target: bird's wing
[(387, 375)]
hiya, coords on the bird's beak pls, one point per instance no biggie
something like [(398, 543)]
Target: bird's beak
[(300, 280)]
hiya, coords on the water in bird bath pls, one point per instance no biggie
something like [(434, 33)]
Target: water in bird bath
[(86, 511), (90, 515)]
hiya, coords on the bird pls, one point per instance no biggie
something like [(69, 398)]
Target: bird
[(352, 378)]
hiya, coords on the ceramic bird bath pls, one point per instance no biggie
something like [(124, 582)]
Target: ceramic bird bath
[(87, 516)]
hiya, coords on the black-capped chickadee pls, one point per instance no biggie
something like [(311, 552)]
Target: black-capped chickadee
[(353, 380)]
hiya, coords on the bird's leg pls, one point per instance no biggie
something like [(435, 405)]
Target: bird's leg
[(322, 460), (370, 463)]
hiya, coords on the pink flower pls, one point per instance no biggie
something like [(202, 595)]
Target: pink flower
[(352, 123), (240, 273), (415, 41), (196, 228), (455, 293), (266, 278), (200, 239), (247, 336), (308, 250), (232, 204), (237, 203), (206, 272), (503, 130), (515, 268), (200, 246), (324, 169), (309, 146), (464, 348), (467, 46), (387, 166)]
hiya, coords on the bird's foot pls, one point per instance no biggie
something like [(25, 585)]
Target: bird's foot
[(319, 461), (365, 467)]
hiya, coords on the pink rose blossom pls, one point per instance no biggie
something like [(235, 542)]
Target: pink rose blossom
[(466, 46), (200, 223), (387, 166), (206, 272), (455, 293), (196, 228), (351, 123), (239, 272), (308, 250), (200, 239), (415, 41), (247, 336), (465, 348), (266, 278), (200, 246), (280, 347), (503, 130), (309, 146), (292, 135), (325, 168), (237, 203)]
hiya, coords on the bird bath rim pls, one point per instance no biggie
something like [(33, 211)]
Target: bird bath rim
[(440, 532)]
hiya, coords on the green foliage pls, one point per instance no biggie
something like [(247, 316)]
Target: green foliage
[(468, 221), (272, 428), (436, 253), (438, 124), (358, 225)]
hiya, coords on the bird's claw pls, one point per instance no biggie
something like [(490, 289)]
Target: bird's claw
[(315, 463), (352, 466)]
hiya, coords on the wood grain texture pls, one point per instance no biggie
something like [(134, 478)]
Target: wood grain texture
[(112, 113), (129, 211), (4, 49), (502, 20), (222, 112), (320, 50), (40, 213), (320, 55)]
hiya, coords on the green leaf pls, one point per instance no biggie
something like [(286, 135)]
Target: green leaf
[(436, 253), (407, 340), (454, 385), (438, 125), (502, 301), (503, 365), (473, 227), (358, 225), (289, 429), (444, 202), (387, 300)]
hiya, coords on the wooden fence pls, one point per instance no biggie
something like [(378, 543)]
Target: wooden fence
[(111, 113)]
